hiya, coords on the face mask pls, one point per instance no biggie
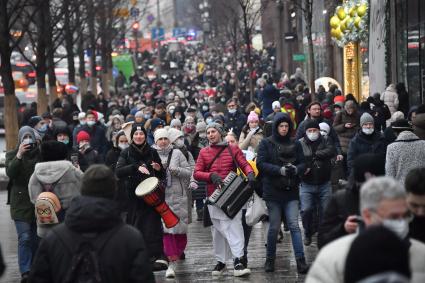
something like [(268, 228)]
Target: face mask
[(91, 123), (179, 142), (205, 108), (177, 117), (83, 123), (399, 226), (313, 136), (209, 120), (27, 141), (368, 131), (123, 145), (171, 111), (147, 116), (324, 133), (66, 141), (254, 129), (84, 145), (232, 111), (43, 129), (203, 135)]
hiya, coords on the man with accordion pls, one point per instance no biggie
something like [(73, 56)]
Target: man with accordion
[(214, 163)]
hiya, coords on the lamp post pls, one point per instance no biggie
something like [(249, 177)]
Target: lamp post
[(135, 26), (279, 36), (205, 19)]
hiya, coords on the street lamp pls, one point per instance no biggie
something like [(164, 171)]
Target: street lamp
[(135, 26)]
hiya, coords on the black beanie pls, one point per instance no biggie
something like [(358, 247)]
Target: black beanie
[(137, 127), (34, 120), (311, 123), (99, 181), (374, 251), (53, 151)]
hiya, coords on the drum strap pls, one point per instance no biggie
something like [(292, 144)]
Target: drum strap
[(169, 158)]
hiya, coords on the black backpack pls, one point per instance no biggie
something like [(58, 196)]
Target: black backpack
[(85, 265)]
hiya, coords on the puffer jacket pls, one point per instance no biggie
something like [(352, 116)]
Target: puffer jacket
[(65, 180), (19, 172), (273, 153), (123, 258), (419, 125), (390, 98), (246, 141), (235, 121), (177, 183), (362, 143), (316, 156), (406, 153), (346, 134), (221, 166)]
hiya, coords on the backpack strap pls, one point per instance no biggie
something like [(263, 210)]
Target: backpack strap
[(169, 157), (215, 157)]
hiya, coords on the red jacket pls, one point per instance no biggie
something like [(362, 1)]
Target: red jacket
[(222, 165)]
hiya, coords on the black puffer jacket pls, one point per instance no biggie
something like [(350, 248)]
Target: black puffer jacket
[(273, 153), (122, 259)]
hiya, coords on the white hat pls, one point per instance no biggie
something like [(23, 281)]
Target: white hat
[(325, 127), (81, 115), (276, 104), (160, 133), (174, 134)]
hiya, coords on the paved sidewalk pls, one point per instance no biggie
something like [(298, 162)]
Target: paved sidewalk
[(199, 256)]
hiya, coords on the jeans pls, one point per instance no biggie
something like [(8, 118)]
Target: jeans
[(27, 244), (313, 196), (290, 210), (199, 203)]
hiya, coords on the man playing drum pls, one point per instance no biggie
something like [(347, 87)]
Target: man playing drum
[(213, 165)]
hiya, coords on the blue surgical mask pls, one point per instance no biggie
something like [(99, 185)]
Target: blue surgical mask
[(43, 129), (209, 120), (147, 116)]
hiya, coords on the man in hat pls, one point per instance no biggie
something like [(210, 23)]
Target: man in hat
[(406, 153), (93, 220), (214, 163), (96, 131), (315, 189)]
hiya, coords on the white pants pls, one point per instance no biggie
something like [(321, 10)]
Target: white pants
[(228, 237)]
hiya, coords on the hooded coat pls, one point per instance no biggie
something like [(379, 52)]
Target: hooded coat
[(419, 125), (390, 98), (273, 153), (66, 180), (346, 134), (123, 258)]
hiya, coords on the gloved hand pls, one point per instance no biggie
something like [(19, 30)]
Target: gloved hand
[(283, 171), (215, 179), (291, 170), (251, 179)]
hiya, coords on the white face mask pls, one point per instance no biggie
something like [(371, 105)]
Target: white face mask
[(90, 123), (232, 111), (324, 133), (399, 226), (205, 108), (368, 131), (313, 136), (209, 120), (123, 145), (179, 142), (203, 135)]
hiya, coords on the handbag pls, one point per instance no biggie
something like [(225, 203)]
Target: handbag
[(256, 210)]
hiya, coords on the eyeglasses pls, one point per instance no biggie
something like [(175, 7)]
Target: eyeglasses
[(231, 106)]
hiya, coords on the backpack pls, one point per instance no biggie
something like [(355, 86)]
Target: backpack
[(47, 206), (85, 264)]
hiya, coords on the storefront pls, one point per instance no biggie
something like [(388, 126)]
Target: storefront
[(409, 48)]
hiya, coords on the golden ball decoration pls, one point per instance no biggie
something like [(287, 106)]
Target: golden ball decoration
[(361, 10), (340, 12), (334, 22)]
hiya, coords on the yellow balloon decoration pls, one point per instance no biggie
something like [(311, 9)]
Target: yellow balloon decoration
[(343, 25), (361, 10), (349, 23), (340, 12), (353, 12), (357, 22), (334, 22), (336, 32)]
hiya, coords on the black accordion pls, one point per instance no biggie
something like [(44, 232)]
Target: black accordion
[(232, 196)]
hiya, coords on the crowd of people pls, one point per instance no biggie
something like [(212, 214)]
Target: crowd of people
[(342, 166)]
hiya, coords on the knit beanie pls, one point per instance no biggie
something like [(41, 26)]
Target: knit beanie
[(26, 130), (139, 114), (339, 98), (376, 250), (252, 117), (276, 104), (201, 127), (311, 123), (175, 123), (218, 127), (174, 134), (34, 120), (53, 150), (366, 118), (83, 136), (99, 181), (155, 123), (137, 127), (160, 133)]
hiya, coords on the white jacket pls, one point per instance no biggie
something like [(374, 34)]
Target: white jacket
[(390, 98), (329, 266)]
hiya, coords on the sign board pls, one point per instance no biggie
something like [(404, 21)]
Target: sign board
[(179, 32), (157, 33), (134, 12), (298, 57)]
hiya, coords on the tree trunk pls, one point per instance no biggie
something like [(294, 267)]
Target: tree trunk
[(92, 39), (53, 94), (311, 67), (248, 53), (69, 38), (10, 113), (82, 66), (42, 100), (104, 39)]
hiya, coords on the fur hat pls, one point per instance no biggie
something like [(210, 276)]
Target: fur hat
[(174, 134), (83, 136), (99, 181), (218, 127), (53, 150), (366, 118), (160, 133), (252, 117)]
